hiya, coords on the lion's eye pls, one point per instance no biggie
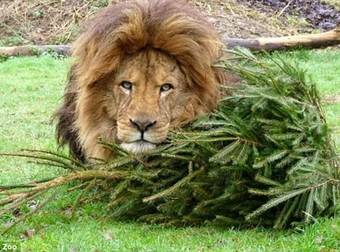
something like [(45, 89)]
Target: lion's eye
[(166, 87), (126, 85)]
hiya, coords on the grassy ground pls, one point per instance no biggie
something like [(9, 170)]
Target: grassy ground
[(30, 89)]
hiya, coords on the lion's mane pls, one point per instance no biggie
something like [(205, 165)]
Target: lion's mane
[(120, 30)]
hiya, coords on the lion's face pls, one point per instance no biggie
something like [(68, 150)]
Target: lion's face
[(150, 96), (141, 68)]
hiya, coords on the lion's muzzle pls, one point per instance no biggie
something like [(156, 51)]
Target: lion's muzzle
[(140, 134)]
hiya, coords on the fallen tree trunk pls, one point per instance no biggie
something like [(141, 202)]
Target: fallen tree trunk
[(268, 44), (31, 50), (276, 43)]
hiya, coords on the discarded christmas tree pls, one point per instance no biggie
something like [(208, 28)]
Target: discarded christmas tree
[(264, 157)]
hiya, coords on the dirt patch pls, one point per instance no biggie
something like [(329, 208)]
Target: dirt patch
[(43, 21), (58, 21), (317, 13), (241, 21)]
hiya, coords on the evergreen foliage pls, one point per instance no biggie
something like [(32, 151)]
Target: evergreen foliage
[(264, 157)]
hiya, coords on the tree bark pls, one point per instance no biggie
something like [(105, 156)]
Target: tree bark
[(288, 42), (319, 40), (31, 50)]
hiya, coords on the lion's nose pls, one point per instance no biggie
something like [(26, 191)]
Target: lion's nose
[(143, 125)]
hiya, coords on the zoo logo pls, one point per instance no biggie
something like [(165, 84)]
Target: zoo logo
[(10, 247)]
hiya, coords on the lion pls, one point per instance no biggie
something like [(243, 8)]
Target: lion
[(140, 69)]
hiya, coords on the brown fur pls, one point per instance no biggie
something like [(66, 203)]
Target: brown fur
[(148, 43)]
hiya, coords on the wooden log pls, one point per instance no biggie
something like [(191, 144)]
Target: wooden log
[(319, 40), (31, 50)]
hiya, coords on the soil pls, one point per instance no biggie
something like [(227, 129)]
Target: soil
[(317, 13), (241, 21), (58, 21)]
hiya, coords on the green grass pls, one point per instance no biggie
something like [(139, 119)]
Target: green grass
[(30, 90)]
